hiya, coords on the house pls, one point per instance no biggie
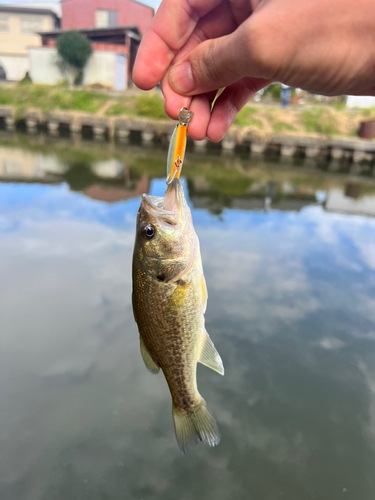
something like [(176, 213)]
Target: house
[(18, 31), (114, 27), (81, 14), (114, 51)]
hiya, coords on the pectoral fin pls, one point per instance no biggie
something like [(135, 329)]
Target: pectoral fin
[(178, 297), (210, 357), (149, 362)]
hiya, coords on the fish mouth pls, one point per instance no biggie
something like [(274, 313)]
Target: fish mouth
[(167, 207)]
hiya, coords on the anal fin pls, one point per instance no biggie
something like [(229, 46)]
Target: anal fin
[(149, 362), (210, 357)]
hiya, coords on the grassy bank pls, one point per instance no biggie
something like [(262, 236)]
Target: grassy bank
[(48, 98), (262, 120), (314, 120)]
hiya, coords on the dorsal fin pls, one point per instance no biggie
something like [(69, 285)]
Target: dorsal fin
[(210, 357)]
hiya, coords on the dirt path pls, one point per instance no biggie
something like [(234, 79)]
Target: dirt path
[(106, 106)]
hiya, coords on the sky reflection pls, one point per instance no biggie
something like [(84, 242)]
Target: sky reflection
[(291, 310)]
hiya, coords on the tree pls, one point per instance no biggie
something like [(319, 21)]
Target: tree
[(74, 50)]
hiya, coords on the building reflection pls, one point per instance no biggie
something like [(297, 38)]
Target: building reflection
[(353, 201), (109, 181), (260, 195), (215, 189), (113, 194)]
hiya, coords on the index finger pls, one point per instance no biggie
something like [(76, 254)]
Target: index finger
[(171, 27)]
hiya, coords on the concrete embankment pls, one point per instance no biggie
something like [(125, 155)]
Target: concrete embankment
[(150, 130)]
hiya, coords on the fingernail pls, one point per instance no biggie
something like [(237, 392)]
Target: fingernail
[(181, 78)]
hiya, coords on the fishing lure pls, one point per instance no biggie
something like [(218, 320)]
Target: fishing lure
[(177, 146)]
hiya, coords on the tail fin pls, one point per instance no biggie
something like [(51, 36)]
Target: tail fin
[(192, 426)]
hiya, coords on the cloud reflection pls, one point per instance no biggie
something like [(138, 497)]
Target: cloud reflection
[(82, 418)]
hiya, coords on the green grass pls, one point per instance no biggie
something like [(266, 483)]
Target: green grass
[(320, 121), (150, 105), (119, 109), (283, 127), (340, 106), (310, 117), (327, 129), (49, 98), (245, 117)]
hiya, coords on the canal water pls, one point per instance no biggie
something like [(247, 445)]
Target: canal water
[(289, 257)]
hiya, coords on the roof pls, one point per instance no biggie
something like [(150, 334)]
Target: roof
[(114, 30), (134, 1), (27, 10), (53, 5)]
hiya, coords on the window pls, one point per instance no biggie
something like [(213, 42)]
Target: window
[(31, 25), (4, 24), (105, 18)]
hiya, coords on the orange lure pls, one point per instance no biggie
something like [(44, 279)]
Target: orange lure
[(177, 146)]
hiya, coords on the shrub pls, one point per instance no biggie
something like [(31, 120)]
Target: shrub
[(273, 91), (26, 79), (74, 50)]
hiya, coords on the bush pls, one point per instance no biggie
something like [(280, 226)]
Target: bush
[(74, 50), (26, 79), (273, 91)]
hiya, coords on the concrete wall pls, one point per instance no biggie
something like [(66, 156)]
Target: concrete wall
[(15, 41), (78, 14), (360, 101), (102, 68), (15, 66)]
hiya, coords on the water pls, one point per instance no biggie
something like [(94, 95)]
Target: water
[(291, 310)]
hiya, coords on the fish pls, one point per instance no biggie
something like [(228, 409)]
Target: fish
[(169, 301)]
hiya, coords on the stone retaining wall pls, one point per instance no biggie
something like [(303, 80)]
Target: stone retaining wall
[(120, 128)]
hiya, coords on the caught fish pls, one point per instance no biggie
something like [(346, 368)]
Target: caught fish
[(169, 302)]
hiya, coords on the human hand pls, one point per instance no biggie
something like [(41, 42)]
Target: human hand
[(195, 47)]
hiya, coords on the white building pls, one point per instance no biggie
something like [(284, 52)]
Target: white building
[(18, 32)]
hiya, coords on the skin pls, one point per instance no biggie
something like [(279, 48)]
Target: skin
[(195, 47)]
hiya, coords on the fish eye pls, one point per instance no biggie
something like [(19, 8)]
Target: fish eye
[(148, 232)]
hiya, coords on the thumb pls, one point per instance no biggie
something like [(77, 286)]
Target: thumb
[(217, 63)]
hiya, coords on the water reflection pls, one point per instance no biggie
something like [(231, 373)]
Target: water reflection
[(291, 309), (214, 184)]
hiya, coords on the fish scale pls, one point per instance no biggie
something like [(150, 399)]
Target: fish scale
[(175, 332)]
